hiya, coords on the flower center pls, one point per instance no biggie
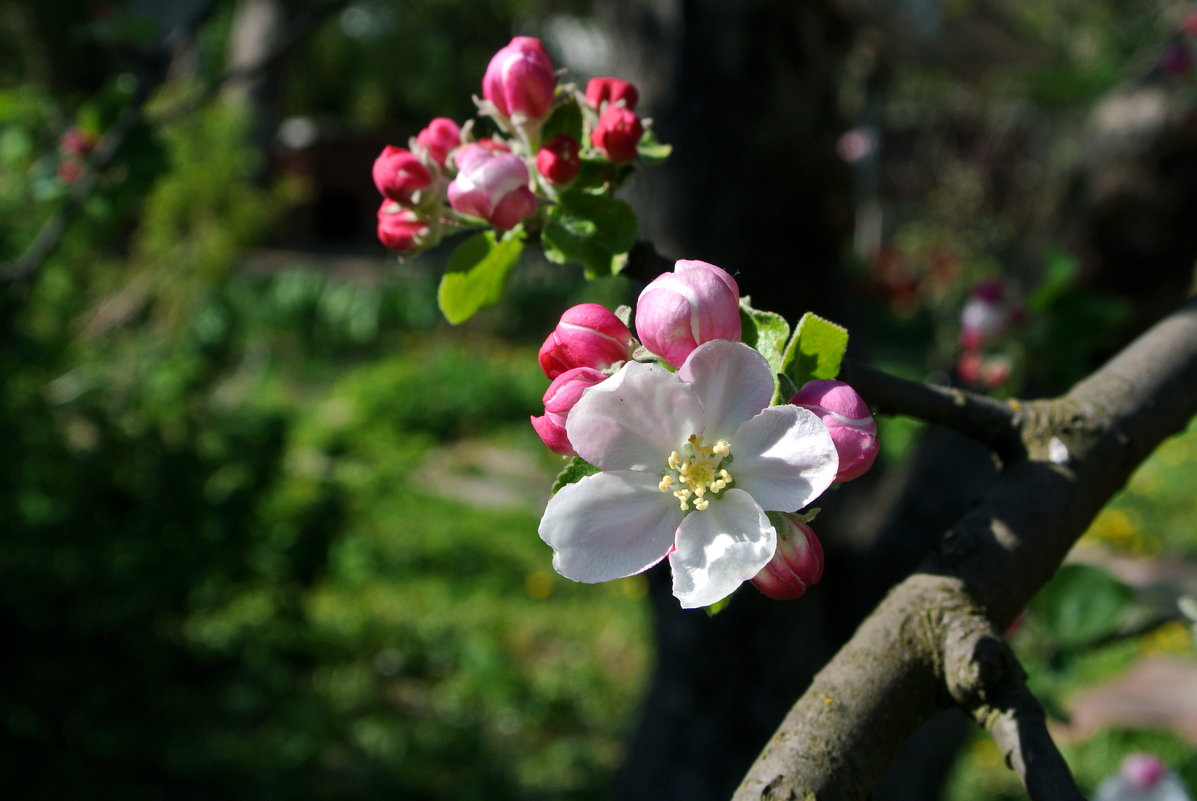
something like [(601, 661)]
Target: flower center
[(695, 472)]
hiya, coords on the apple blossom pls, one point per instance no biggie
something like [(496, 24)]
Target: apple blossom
[(617, 133), (559, 399), (611, 90), (520, 80), (588, 335), (849, 421), (679, 311), (491, 185), (691, 462), (399, 174), (797, 563), (558, 159), (439, 137), (402, 229)]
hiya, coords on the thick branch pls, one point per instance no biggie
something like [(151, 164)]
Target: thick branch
[(839, 737)]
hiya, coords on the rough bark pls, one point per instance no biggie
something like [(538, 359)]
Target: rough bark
[(904, 661)]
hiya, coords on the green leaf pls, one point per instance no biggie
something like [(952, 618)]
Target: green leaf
[(596, 232), (575, 469), (1058, 278), (764, 330), (566, 119), (816, 350), (651, 151), (477, 274), (1081, 604)]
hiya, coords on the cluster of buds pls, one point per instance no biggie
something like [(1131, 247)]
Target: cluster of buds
[(448, 178), (985, 322), (696, 303)]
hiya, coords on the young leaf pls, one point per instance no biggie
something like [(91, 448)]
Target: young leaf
[(575, 469), (815, 351), (567, 119), (477, 274), (650, 150), (764, 330), (596, 232)]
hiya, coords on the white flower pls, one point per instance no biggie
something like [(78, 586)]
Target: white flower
[(692, 461)]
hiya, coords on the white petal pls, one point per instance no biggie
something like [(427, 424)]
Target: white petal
[(784, 458), (609, 525), (720, 547), (634, 419), (732, 382)]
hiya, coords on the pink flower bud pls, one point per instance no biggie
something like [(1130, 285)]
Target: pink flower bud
[(441, 136), (559, 398), (617, 134), (401, 228), (519, 79), (679, 311), (558, 159), (849, 421), (493, 186), (796, 564), (589, 335), (399, 174), (611, 90)]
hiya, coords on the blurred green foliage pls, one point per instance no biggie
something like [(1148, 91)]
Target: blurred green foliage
[(232, 565)]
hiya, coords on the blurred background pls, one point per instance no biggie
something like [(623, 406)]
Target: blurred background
[(268, 524)]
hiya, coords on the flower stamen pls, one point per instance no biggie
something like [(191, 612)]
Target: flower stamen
[(697, 473)]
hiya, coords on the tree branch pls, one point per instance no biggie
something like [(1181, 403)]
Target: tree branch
[(1080, 449), (989, 421), (984, 677)]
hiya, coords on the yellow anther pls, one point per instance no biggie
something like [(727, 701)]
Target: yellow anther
[(697, 473)]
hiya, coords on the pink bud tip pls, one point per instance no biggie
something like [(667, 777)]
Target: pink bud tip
[(849, 421)]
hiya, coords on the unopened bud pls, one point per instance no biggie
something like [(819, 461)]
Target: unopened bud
[(849, 421), (520, 80), (439, 137), (402, 229), (617, 133), (612, 91), (588, 335), (558, 160), (399, 174), (559, 398), (679, 311), (491, 185), (796, 564)]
